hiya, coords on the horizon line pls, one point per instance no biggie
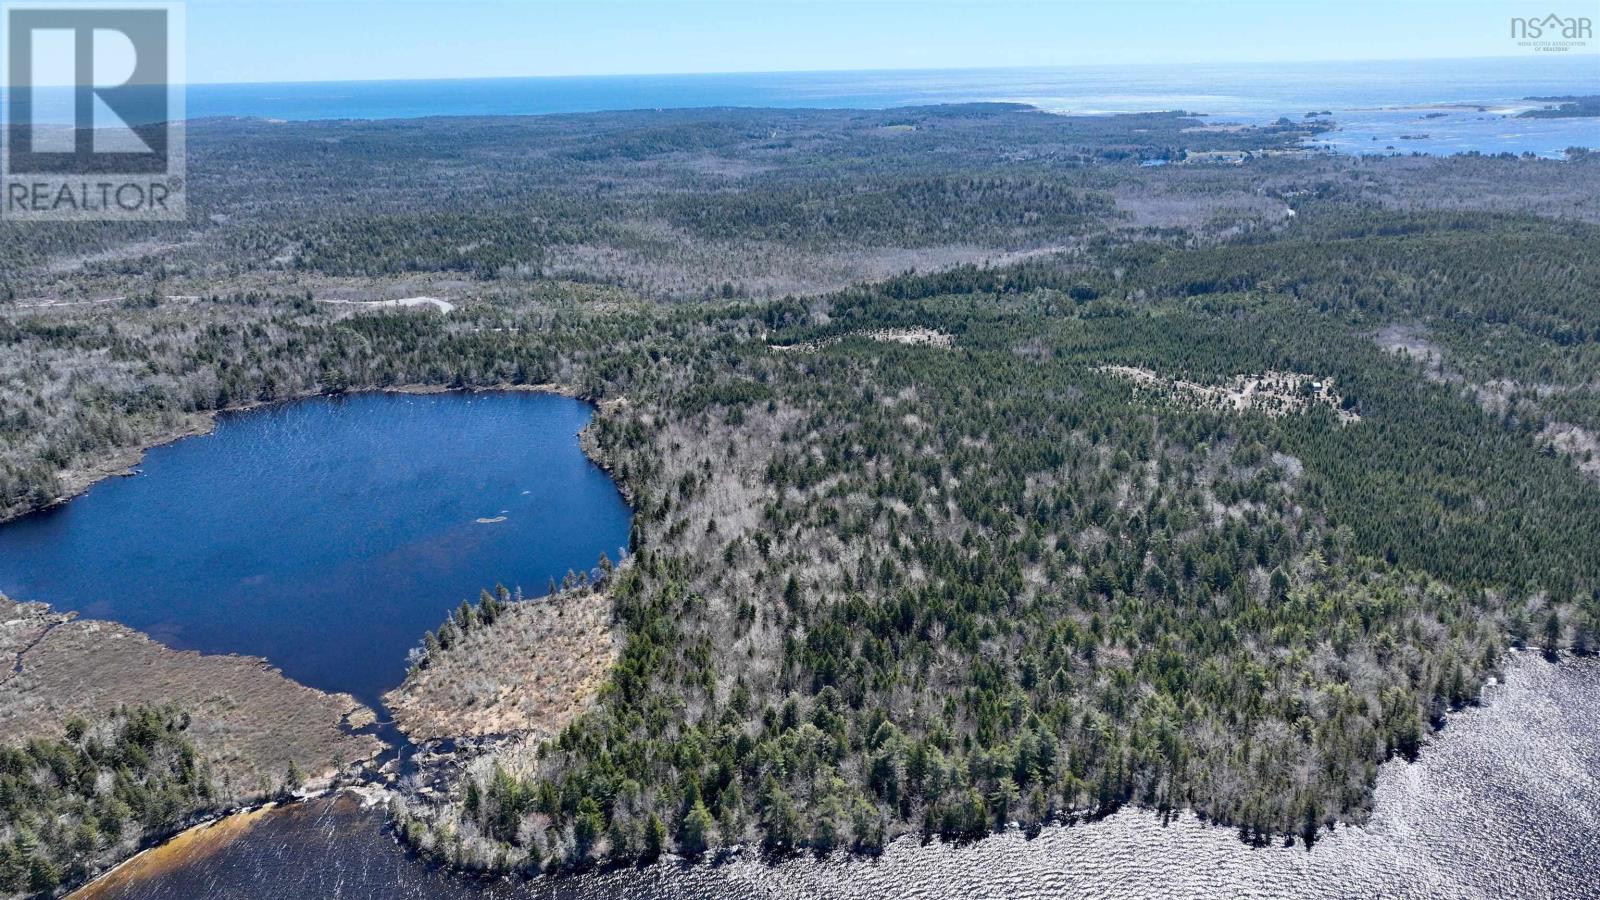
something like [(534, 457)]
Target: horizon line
[(873, 71)]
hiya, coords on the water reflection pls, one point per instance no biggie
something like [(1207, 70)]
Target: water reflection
[(1504, 802)]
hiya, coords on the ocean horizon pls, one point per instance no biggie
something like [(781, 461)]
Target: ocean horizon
[(1374, 103), (1252, 89)]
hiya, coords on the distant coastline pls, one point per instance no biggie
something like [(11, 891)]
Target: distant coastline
[(1250, 92)]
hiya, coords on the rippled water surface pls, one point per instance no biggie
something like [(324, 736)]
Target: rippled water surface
[(1505, 802), (327, 535)]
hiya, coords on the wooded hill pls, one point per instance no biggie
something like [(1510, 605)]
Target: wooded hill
[(883, 583)]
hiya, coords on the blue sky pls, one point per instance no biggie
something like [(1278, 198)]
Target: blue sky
[(310, 40)]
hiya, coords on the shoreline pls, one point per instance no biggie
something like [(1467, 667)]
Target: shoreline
[(589, 445), (122, 462), (256, 689), (367, 771), (241, 817), (215, 828), (911, 849)]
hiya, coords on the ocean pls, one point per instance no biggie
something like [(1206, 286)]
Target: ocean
[(1255, 92), (1427, 106)]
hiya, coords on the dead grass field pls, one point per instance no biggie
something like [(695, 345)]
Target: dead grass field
[(533, 671), (248, 720)]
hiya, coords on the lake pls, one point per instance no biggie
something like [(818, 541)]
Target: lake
[(1505, 801), (327, 535)]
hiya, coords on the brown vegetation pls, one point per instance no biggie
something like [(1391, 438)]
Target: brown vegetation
[(884, 586), (173, 855), (534, 669), (250, 724)]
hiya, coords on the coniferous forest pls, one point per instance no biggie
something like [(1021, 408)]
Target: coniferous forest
[(991, 486), (73, 803)]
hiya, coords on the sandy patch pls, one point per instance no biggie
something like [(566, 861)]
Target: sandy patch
[(1581, 444), (173, 855), (444, 306), (911, 337), (1270, 393)]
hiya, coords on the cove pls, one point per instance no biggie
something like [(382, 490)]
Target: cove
[(328, 534)]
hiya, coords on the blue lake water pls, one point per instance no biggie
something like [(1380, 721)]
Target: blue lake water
[(327, 535)]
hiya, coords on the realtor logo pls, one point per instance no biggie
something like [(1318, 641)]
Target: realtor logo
[(94, 112), (1552, 33)]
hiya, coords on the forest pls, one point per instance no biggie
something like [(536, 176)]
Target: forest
[(1567, 107), (911, 554), (94, 795), (991, 585)]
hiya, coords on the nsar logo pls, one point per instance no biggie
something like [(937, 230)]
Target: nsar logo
[(1553, 33)]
